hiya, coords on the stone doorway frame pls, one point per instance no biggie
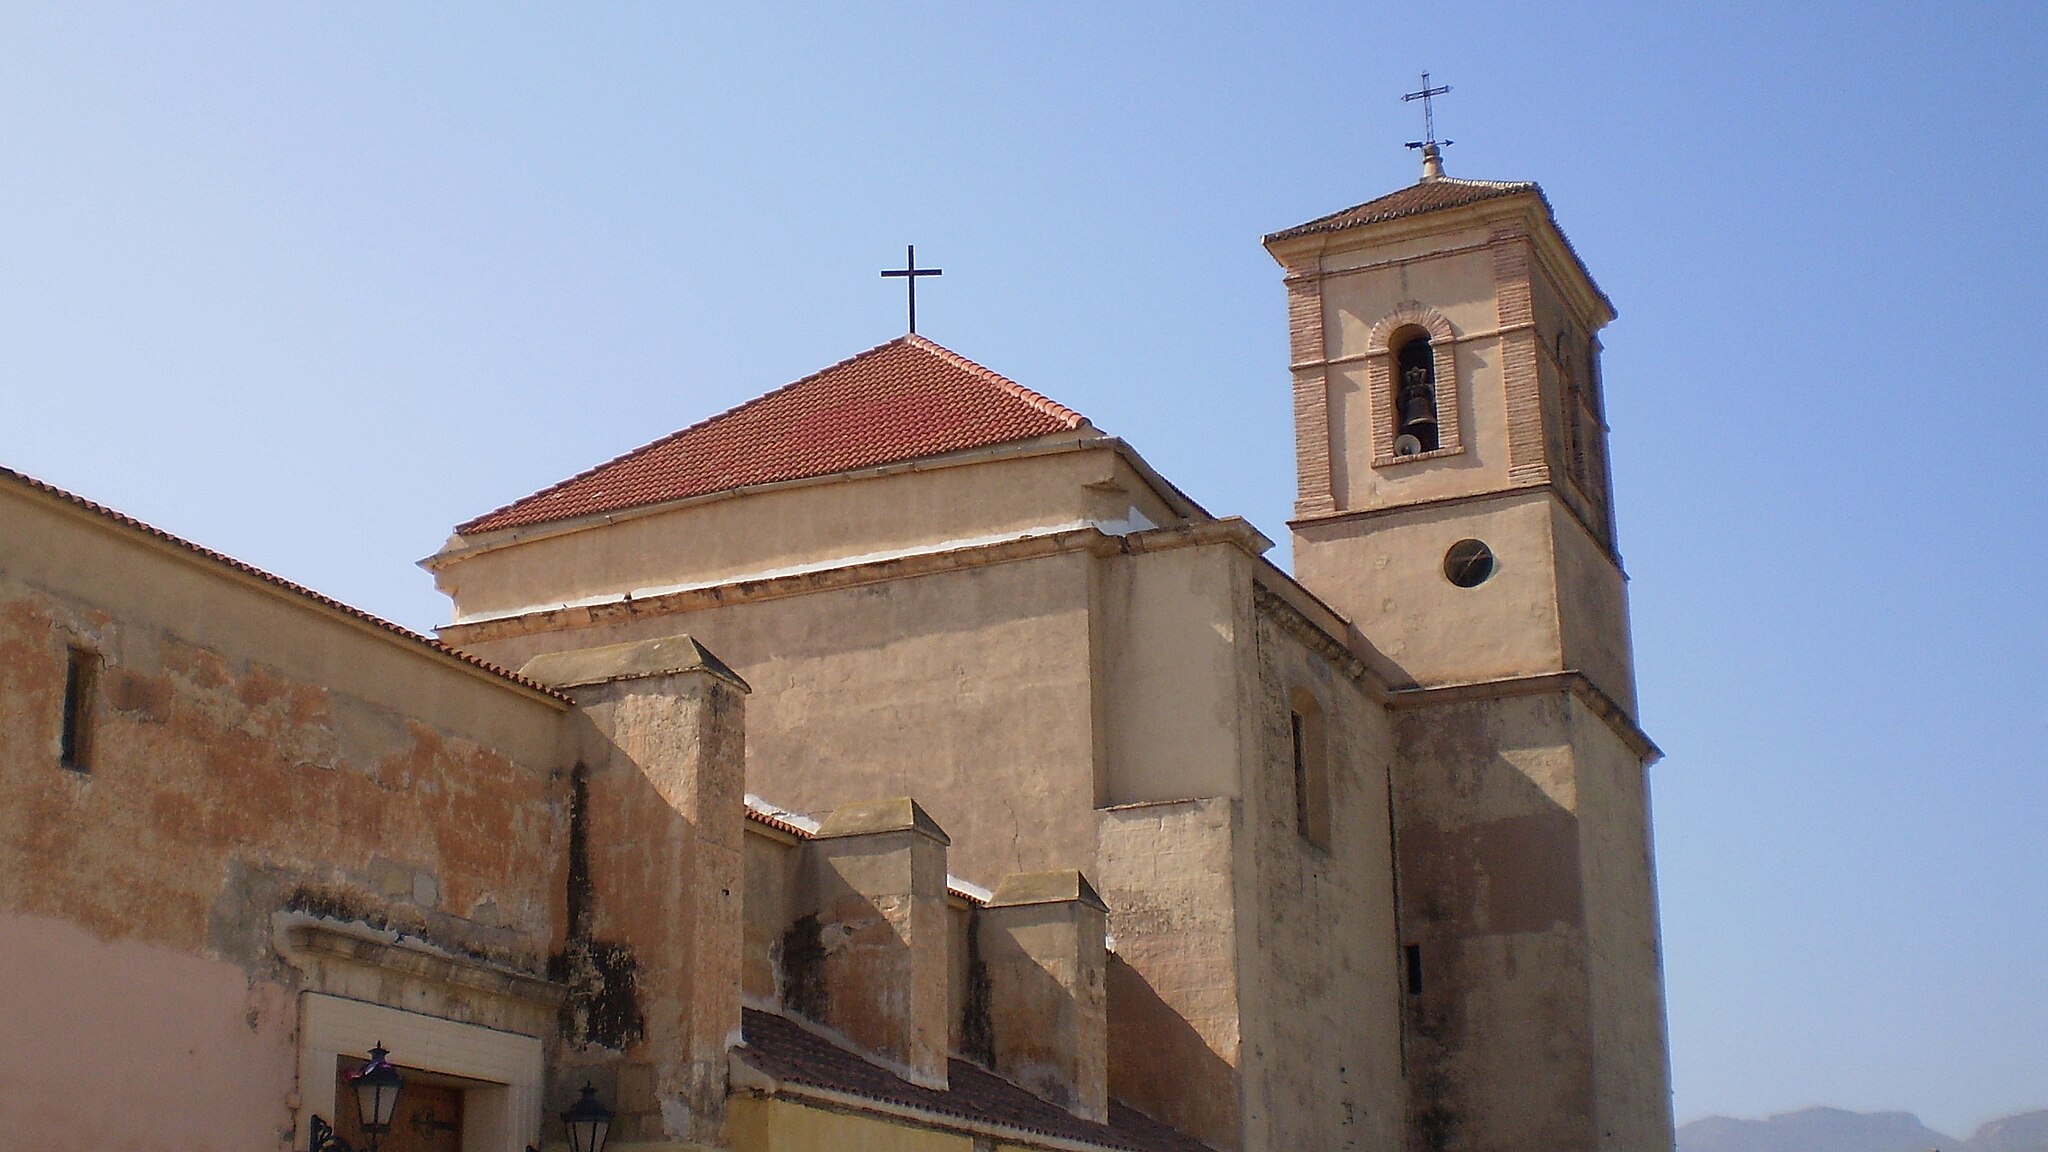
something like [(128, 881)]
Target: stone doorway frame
[(500, 1114)]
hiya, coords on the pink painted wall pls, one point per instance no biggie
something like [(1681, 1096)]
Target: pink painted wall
[(128, 1045)]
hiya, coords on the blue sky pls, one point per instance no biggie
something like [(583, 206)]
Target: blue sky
[(312, 284)]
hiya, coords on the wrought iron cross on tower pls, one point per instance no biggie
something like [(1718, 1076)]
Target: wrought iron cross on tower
[(1432, 148), (910, 272)]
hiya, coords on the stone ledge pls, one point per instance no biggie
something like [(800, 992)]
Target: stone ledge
[(634, 660), (372, 949)]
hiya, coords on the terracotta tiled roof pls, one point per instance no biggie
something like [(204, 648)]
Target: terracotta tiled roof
[(789, 1052), (899, 401), (300, 590), (780, 825), (1414, 200)]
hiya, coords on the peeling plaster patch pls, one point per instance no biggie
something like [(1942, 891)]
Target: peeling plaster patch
[(802, 981), (603, 1008)]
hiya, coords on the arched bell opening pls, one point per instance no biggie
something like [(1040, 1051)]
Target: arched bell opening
[(1415, 404)]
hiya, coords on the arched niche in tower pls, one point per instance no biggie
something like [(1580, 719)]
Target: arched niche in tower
[(1411, 368)]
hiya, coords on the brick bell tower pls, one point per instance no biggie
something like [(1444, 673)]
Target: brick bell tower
[(1454, 503)]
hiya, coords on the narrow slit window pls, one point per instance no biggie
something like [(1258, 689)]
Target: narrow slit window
[(1311, 776), (81, 678), (1300, 728), (1411, 956)]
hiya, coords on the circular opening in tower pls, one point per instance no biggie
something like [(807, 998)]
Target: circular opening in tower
[(1468, 563)]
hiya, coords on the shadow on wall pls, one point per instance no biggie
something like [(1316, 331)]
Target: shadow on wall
[(1494, 921), (1161, 1066)]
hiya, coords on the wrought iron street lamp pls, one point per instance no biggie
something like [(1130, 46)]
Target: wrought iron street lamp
[(375, 1086), (588, 1121)]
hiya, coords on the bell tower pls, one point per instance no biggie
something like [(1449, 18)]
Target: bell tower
[(1454, 503)]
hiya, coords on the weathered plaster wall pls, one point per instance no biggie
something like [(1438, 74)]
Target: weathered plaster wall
[(252, 754), (1319, 983), (656, 888), (780, 529), (1166, 870), (1592, 610), (772, 862), (1166, 637), (967, 689), (1387, 576), (1500, 1048), (1631, 1069)]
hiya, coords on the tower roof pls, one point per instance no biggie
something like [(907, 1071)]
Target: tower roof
[(1428, 195), (903, 400)]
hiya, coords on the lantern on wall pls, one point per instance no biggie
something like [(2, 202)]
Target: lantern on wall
[(375, 1086), (588, 1122)]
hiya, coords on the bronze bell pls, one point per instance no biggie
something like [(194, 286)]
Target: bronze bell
[(1418, 405)]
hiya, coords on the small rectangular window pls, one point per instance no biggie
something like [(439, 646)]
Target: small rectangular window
[(1412, 955), (81, 678)]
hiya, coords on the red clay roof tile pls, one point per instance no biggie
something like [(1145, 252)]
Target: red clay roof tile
[(279, 582), (789, 1052), (903, 400), (1414, 200)]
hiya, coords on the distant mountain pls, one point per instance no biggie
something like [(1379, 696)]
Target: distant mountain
[(1815, 1130), (2026, 1132), (1838, 1130)]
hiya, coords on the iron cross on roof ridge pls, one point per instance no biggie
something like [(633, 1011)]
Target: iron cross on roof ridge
[(910, 272), (1428, 113)]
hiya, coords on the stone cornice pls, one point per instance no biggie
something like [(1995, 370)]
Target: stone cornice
[(1541, 684), (1233, 531), (384, 952), (1546, 487), (1318, 639), (1527, 215)]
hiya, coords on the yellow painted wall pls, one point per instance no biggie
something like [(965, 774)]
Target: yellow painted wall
[(763, 1124)]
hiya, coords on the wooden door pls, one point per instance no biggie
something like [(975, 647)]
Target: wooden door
[(429, 1117)]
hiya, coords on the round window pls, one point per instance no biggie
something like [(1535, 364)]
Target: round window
[(1468, 563)]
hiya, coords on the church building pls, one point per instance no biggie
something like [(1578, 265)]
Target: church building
[(895, 761)]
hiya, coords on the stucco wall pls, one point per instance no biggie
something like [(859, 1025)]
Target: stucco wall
[(759, 1124), (836, 519), (1500, 1047), (1459, 286), (99, 1040), (1387, 576), (1166, 872), (1319, 983), (1167, 637), (251, 754), (1592, 610), (968, 690), (772, 863), (1631, 1069)]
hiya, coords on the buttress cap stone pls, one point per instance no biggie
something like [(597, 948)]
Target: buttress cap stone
[(899, 814), (633, 660), (1057, 887)]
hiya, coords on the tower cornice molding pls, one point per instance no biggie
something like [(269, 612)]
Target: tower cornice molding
[(1524, 216), (1540, 684), (1550, 488)]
